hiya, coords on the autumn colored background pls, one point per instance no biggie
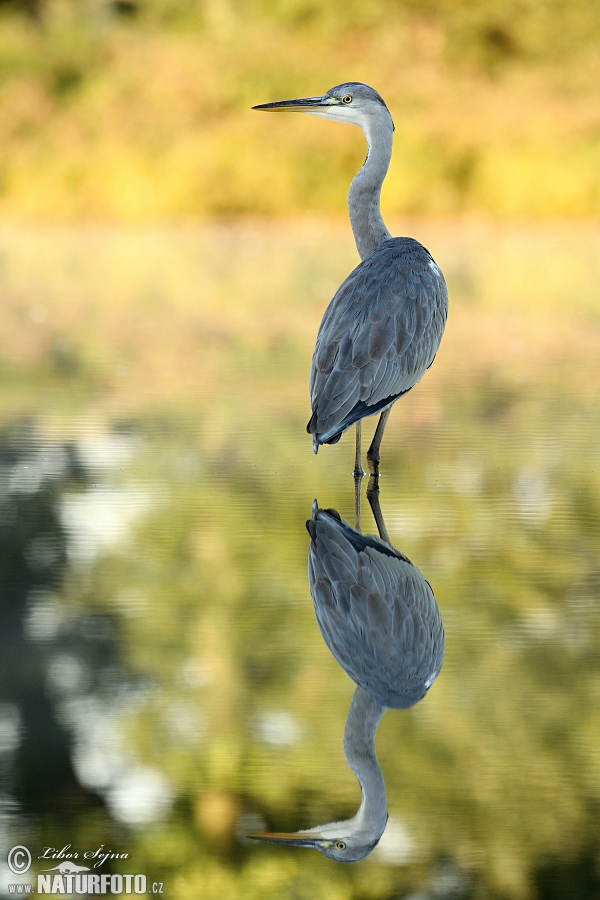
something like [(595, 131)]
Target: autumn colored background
[(165, 257), (138, 110)]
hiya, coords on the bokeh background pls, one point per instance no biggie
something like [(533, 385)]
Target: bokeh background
[(138, 110), (165, 257)]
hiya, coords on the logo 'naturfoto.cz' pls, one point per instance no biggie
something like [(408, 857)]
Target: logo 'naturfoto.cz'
[(71, 878)]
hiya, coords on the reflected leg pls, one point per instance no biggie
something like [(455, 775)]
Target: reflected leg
[(373, 498), (358, 469), (373, 451)]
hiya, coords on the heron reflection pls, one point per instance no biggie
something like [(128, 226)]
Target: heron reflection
[(380, 619)]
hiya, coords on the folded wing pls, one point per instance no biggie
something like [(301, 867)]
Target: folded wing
[(378, 336)]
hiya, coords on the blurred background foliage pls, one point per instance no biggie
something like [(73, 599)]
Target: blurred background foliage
[(162, 606), (140, 109), (161, 642)]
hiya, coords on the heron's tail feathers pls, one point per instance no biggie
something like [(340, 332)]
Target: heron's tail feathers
[(325, 520), (319, 439), (322, 514), (312, 429), (311, 524), (358, 412)]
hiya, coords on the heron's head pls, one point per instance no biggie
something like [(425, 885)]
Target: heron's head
[(353, 103), (339, 840)]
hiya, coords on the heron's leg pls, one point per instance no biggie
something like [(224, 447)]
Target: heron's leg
[(358, 476), (373, 498), (357, 485), (358, 469), (373, 451)]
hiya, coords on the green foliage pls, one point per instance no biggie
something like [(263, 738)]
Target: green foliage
[(139, 109), (195, 343)]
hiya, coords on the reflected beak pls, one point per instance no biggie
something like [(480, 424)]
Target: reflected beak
[(290, 839), (305, 105)]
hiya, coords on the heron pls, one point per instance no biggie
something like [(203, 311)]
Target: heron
[(382, 329), (381, 622)]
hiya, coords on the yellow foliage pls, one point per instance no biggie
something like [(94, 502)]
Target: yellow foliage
[(148, 117)]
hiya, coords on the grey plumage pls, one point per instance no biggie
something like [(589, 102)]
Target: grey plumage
[(376, 612), (383, 327), (379, 618), (378, 336)]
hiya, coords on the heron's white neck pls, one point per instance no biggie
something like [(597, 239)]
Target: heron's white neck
[(364, 196), (359, 749)]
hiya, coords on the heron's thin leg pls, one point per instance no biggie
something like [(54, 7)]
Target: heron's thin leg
[(358, 469), (373, 451), (373, 498), (357, 485)]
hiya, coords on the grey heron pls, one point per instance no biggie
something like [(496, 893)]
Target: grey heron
[(380, 619), (383, 327)]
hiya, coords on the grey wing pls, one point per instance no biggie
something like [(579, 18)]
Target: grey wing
[(378, 336), (377, 614)]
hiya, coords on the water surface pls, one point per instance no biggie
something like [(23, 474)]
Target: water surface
[(165, 689)]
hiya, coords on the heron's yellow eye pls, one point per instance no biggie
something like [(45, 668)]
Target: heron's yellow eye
[(347, 99), (340, 844)]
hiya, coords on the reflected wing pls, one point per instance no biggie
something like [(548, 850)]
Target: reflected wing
[(376, 612), (379, 334)]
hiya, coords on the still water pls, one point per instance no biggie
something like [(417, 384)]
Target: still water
[(165, 690)]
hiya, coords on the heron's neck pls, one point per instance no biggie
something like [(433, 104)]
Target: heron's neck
[(363, 200), (359, 748)]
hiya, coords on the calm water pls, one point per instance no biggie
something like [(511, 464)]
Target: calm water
[(164, 686)]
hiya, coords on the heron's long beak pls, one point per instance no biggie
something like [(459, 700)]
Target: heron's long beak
[(304, 105), (290, 839)]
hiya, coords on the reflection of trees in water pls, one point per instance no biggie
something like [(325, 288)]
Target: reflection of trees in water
[(498, 768), (60, 681), (559, 879), (39, 772)]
